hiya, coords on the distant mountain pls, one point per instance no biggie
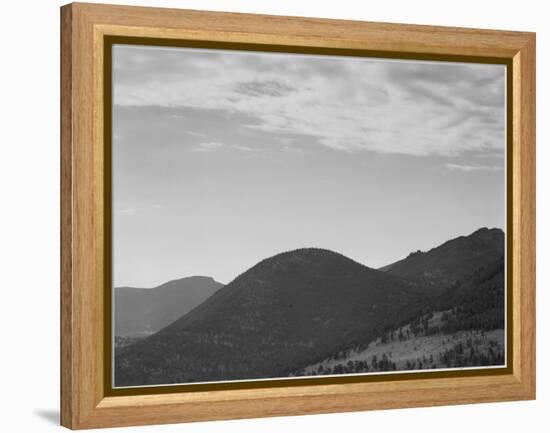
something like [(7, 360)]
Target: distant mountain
[(452, 262), (283, 313), (141, 312)]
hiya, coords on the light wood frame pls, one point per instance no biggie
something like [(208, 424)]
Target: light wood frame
[(84, 401)]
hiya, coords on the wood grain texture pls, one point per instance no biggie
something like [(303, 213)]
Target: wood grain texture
[(524, 216), (83, 401), (67, 394)]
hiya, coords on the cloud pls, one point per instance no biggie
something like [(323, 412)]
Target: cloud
[(207, 147), (263, 88), (130, 211), (195, 134), (243, 148), (462, 167), (344, 104), (293, 149)]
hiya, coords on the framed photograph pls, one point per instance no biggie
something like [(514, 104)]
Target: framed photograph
[(267, 215)]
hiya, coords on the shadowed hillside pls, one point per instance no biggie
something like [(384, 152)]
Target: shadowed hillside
[(462, 327), (452, 262), (287, 310), (314, 311), (476, 303)]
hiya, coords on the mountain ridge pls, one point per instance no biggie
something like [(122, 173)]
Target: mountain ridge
[(142, 311), (296, 307), (285, 309), (453, 260)]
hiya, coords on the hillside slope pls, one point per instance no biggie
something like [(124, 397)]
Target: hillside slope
[(451, 262), (476, 303), (286, 311), (464, 326), (142, 312)]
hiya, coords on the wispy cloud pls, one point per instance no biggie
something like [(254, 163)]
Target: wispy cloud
[(497, 155), (244, 148), (129, 211), (345, 104), (293, 149), (207, 147), (462, 167), (263, 88)]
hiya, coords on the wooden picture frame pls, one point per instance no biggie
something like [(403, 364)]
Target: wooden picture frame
[(86, 29)]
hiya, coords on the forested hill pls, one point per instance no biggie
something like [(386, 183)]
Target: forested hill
[(287, 310), (311, 306), (453, 261)]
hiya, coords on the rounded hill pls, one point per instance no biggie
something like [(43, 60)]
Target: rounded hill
[(282, 313)]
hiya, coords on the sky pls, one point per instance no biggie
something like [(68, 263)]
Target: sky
[(224, 158)]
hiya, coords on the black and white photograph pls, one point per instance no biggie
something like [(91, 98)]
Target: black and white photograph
[(282, 215)]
